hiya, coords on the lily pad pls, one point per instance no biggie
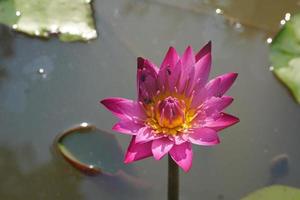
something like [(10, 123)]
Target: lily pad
[(8, 12), (91, 150), (71, 20), (285, 55), (275, 192)]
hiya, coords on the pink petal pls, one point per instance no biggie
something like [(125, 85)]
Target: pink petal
[(226, 82), (145, 63), (127, 127), (146, 80), (212, 87), (198, 97), (146, 134), (183, 155), (187, 71), (171, 58), (216, 104), (161, 147), (204, 136), (224, 121), (166, 69), (174, 76), (190, 82), (137, 151), (188, 58), (124, 108), (202, 94), (205, 50), (199, 92), (202, 70), (178, 139)]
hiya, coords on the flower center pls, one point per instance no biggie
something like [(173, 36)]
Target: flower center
[(170, 112)]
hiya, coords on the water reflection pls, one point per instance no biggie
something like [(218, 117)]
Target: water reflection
[(6, 41), (3, 73), (269, 40), (279, 167), (16, 89), (238, 26), (262, 15), (219, 11), (15, 26), (57, 180), (52, 180), (40, 67), (287, 16), (14, 97), (18, 13), (140, 7), (282, 22)]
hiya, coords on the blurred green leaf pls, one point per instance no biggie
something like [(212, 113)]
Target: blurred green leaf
[(275, 192), (71, 20), (8, 12), (285, 55)]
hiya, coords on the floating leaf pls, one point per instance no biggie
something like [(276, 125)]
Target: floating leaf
[(275, 192), (285, 55), (8, 12), (91, 150), (71, 20)]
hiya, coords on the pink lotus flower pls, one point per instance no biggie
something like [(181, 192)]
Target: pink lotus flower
[(176, 106)]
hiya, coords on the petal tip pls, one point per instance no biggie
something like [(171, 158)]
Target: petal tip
[(234, 75), (117, 127), (140, 62), (186, 167), (186, 170), (182, 155), (205, 50), (228, 99), (189, 47), (127, 160), (108, 102), (208, 46), (157, 157), (172, 48), (104, 101), (209, 43), (237, 120)]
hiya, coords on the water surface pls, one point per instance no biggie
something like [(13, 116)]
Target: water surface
[(47, 86)]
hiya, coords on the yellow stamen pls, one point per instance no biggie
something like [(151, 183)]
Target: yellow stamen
[(171, 119)]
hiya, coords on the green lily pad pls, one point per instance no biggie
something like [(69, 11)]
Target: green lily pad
[(285, 55), (275, 192), (92, 151), (8, 12), (70, 20)]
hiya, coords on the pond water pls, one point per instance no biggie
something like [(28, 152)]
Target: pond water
[(47, 86)]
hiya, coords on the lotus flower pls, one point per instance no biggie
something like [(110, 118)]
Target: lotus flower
[(176, 107)]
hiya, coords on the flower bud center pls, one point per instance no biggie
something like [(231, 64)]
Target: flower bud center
[(170, 112)]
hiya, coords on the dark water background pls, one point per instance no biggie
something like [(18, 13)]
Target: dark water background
[(48, 86)]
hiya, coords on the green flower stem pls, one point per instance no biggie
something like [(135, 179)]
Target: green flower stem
[(173, 180)]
